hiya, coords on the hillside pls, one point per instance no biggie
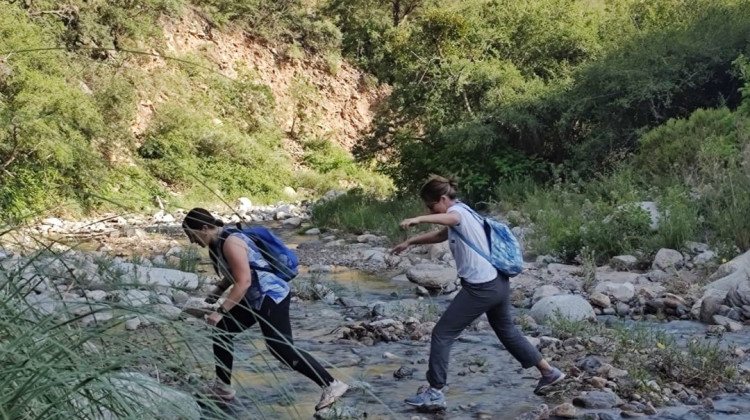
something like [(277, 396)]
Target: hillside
[(115, 105)]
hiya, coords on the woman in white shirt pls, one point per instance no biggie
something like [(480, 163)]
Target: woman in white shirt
[(484, 290)]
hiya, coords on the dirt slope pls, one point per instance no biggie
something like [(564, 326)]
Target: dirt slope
[(346, 104)]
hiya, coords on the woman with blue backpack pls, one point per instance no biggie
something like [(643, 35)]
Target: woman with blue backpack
[(485, 286), (260, 294)]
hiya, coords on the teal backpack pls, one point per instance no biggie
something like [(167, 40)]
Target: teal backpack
[(505, 250)]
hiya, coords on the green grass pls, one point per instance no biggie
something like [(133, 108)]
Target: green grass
[(54, 367), (359, 212)]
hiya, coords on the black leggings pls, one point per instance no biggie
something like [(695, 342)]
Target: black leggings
[(277, 330)]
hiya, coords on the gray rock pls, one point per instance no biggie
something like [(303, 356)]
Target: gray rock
[(293, 222), (705, 258), (738, 263), (564, 269), (43, 304), (155, 400), (368, 238), (739, 295), (373, 255), (404, 372), (603, 274), (96, 318), (135, 298), (168, 312), (96, 295), (544, 260), (696, 247), (545, 291), (589, 364), (431, 276), (245, 205), (180, 297), (620, 292), (667, 260), (730, 325), (132, 324), (571, 307), (602, 399), (709, 306), (622, 309), (599, 299), (161, 278), (624, 262), (649, 290)]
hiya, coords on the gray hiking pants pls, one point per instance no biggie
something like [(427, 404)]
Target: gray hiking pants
[(492, 298)]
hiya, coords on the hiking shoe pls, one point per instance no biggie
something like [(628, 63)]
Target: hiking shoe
[(219, 390), (549, 379), (428, 398), (331, 393)]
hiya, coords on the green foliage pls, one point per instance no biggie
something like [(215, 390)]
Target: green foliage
[(49, 123), (656, 355), (550, 80), (680, 219), (359, 212), (725, 210), (116, 24), (678, 59), (695, 148), (565, 328), (286, 21), (324, 156)]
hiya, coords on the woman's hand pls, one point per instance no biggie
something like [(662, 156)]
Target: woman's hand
[(400, 247), (214, 319), (406, 223)]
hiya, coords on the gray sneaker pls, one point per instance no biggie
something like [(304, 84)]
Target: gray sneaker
[(331, 393), (548, 380), (219, 390), (430, 398)]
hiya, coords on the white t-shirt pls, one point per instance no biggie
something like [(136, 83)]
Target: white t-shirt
[(471, 266)]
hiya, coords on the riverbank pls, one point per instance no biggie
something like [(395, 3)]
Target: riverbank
[(627, 338)]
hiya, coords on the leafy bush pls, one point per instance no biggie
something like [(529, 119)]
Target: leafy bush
[(697, 148)]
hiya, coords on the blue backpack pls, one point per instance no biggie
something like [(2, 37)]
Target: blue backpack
[(283, 261), (505, 250)]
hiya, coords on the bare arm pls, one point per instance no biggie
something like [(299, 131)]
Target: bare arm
[(444, 219), (235, 252)]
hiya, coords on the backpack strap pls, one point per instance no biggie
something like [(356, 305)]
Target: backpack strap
[(471, 245), (239, 229)]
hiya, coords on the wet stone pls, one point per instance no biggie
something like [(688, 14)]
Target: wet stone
[(404, 372)]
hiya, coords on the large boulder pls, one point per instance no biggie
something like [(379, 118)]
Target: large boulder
[(160, 278), (545, 291), (432, 276), (570, 307), (149, 399)]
